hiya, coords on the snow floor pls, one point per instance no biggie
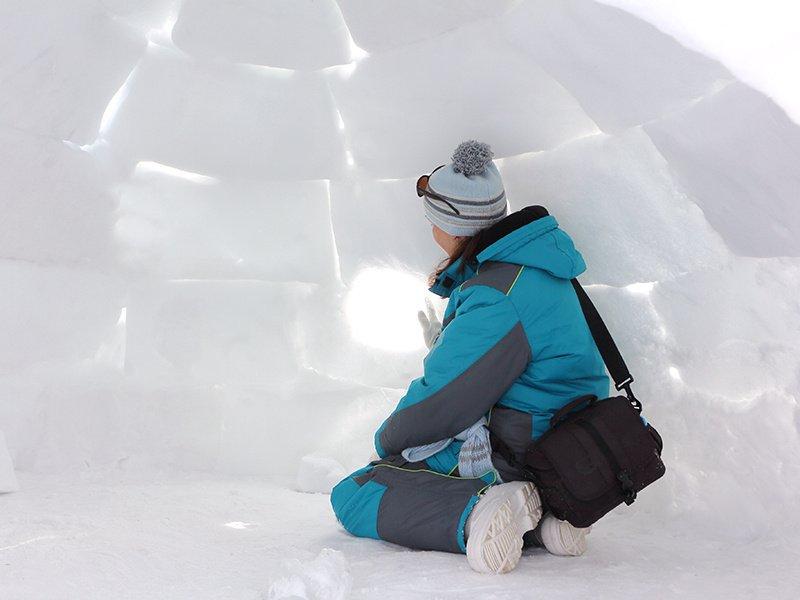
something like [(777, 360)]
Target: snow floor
[(142, 535)]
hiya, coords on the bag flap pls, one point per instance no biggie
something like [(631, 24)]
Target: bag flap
[(630, 441), (580, 464)]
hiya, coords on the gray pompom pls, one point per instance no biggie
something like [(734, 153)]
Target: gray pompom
[(471, 157)]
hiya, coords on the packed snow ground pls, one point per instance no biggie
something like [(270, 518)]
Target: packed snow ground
[(208, 215), (115, 535)]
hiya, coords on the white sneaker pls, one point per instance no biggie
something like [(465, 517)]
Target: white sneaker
[(560, 537), (497, 523)]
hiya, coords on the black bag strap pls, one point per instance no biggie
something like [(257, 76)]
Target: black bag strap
[(612, 359), (605, 344)]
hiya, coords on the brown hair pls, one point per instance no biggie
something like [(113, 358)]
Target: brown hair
[(468, 248)]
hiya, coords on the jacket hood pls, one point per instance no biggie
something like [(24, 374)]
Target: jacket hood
[(530, 237)]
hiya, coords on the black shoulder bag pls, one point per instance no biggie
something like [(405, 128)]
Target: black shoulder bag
[(593, 457)]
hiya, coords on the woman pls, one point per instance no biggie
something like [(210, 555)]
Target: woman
[(514, 348)]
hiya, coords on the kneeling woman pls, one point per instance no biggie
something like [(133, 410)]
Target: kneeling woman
[(513, 349)]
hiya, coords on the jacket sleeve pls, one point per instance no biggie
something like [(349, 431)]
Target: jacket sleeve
[(475, 359)]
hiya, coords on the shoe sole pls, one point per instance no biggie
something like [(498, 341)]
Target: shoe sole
[(500, 548), (528, 507), (572, 539)]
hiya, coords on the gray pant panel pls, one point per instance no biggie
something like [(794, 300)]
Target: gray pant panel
[(515, 428), (421, 509)]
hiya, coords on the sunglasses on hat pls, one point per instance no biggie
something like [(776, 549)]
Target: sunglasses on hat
[(422, 189)]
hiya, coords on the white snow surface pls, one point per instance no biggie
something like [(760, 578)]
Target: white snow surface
[(8, 479), (212, 258)]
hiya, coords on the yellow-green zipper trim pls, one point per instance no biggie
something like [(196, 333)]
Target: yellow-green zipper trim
[(492, 471), (515, 279)]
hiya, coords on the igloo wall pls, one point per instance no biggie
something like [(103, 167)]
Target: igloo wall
[(211, 254)]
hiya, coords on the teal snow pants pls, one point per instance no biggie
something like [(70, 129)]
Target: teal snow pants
[(415, 504)]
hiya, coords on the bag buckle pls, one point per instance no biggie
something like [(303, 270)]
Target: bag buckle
[(628, 490), (626, 385)]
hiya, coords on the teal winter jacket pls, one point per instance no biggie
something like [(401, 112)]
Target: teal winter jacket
[(514, 345)]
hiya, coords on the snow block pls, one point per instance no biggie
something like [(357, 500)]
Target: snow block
[(267, 429), (737, 153), (60, 64), (616, 197), (56, 206), (380, 222), (377, 26), (319, 474), (751, 343), (50, 314), (176, 227), (622, 70), (214, 331), (228, 120), (289, 34), (404, 111), (327, 343)]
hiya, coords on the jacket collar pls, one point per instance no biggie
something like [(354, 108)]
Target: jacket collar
[(449, 279)]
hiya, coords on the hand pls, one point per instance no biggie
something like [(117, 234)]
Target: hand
[(431, 326)]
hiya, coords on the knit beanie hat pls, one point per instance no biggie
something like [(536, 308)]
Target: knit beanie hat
[(472, 184)]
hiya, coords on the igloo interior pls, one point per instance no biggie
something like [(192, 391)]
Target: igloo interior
[(207, 215)]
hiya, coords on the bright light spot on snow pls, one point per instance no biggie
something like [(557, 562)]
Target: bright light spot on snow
[(277, 72), (74, 146), (675, 374), (339, 120), (357, 53), (146, 166), (88, 148), (644, 287), (30, 541), (238, 525), (382, 306), (337, 266), (349, 155), (600, 286), (112, 108), (112, 350), (345, 70), (162, 36)]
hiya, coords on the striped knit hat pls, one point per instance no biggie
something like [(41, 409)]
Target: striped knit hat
[(472, 184)]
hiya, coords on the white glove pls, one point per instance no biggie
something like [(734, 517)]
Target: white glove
[(431, 326)]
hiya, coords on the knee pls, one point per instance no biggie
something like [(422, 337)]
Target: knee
[(343, 492), (355, 503)]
